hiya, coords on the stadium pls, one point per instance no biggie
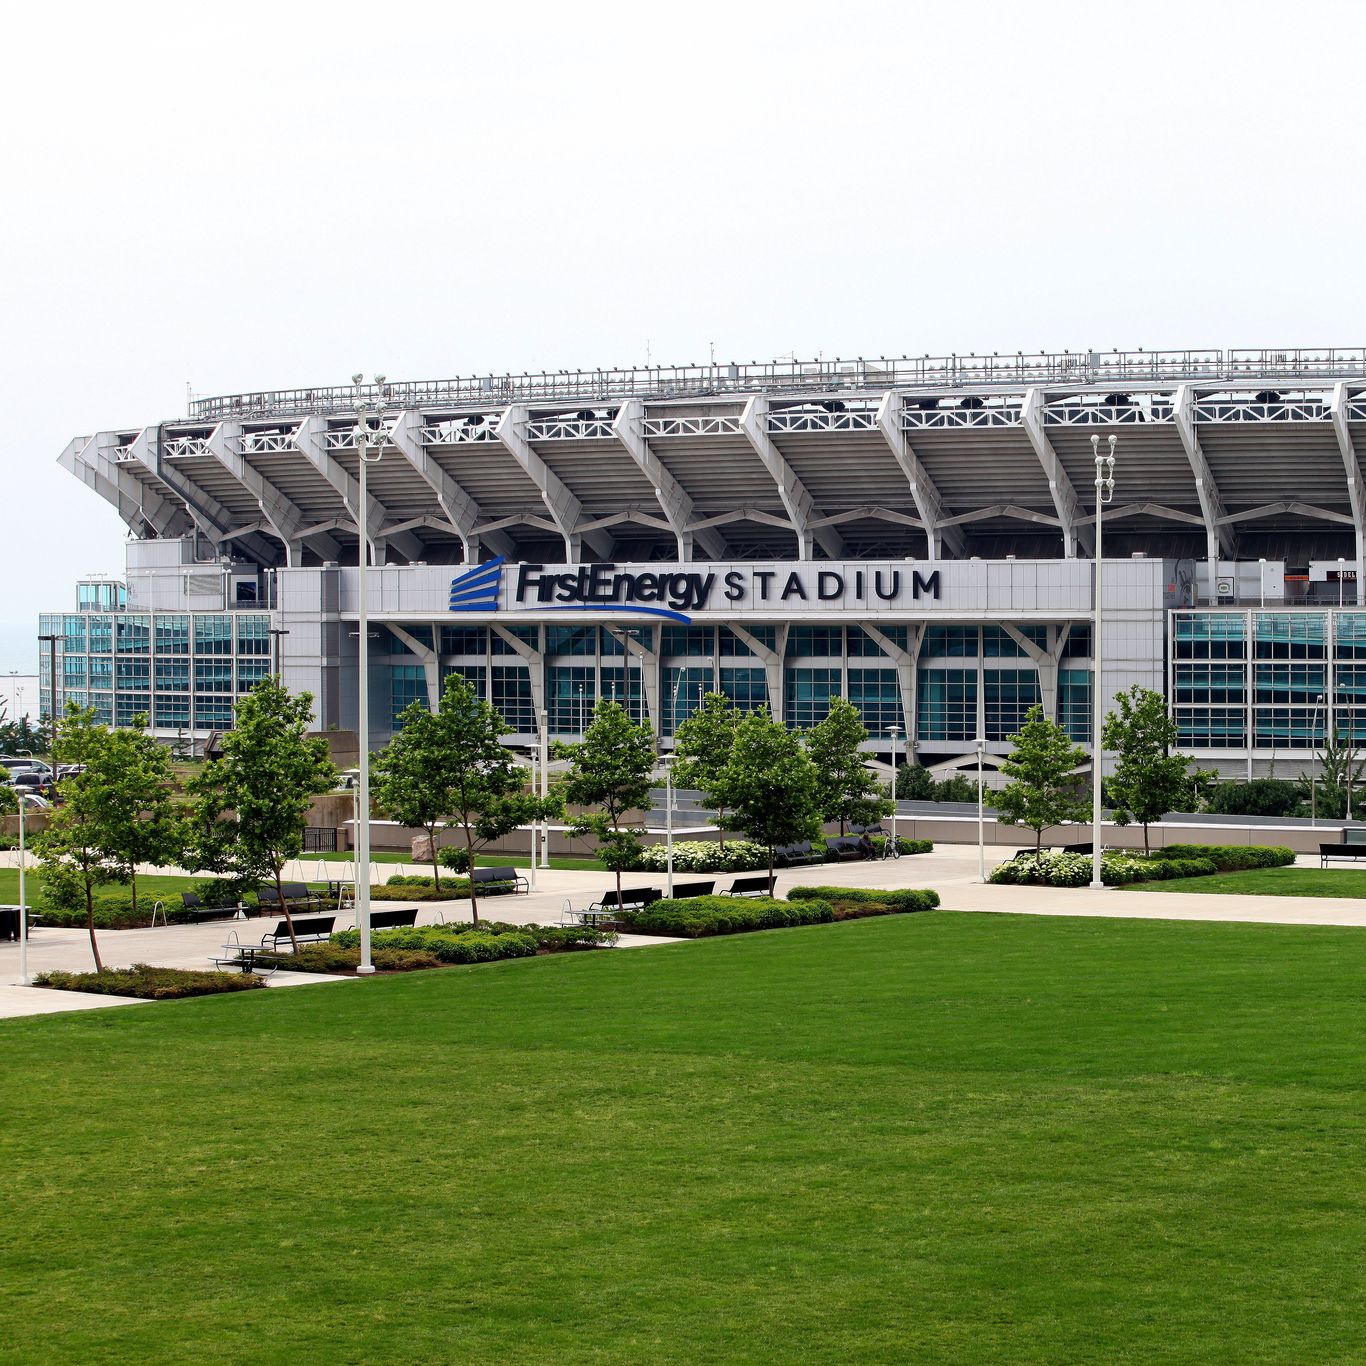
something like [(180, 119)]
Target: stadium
[(916, 534)]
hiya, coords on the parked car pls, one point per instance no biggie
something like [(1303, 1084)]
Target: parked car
[(30, 780)]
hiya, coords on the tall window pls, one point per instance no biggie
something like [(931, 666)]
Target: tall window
[(1074, 703), (746, 688), (571, 694), (808, 695), (173, 635), (946, 704), (253, 634), (684, 689), (1009, 695), (213, 635), (876, 695), (512, 697), (407, 684)]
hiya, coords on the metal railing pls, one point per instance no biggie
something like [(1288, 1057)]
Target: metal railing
[(1090, 368)]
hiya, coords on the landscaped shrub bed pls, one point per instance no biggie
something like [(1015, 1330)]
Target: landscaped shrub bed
[(853, 903), (1054, 868), (114, 909), (701, 916), (465, 944), (411, 888), (906, 846), (705, 856), (1231, 858), (335, 958), (149, 983)]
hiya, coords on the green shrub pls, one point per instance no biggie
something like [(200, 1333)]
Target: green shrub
[(906, 846), (334, 958), (453, 857), (701, 916), (1260, 797), (1231, 858), (445, 942), (705, 856), (403, 887), (896, 900), (149, 983), (1054, 868)]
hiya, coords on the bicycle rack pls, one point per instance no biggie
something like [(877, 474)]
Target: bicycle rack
[(158, 906)]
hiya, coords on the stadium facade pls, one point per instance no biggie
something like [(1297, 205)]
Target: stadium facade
[(914, 534)]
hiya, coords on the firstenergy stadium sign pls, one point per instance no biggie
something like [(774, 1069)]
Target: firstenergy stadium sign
[(680, 591)]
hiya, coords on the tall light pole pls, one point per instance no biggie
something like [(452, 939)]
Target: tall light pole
[(364, 411), (545, 785), (1341, 578), (667, 761), (981, 744), (1105, 492), (1261, 574), (894, 731), (23, 897), (1314, 762), (277, 634)]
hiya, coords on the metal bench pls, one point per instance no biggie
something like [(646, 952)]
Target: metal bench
[(845, 848), (310, 929), (493, 880), (757, 884), (393, 920), (1340, 851), (792, 854), (298, 897), (193, 905), (687, 889), (631, 899)]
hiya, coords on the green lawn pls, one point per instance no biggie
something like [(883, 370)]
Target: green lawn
[(932, 1138), (1268, 882)]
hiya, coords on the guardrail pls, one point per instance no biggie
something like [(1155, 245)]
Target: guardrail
[(1088, 368)]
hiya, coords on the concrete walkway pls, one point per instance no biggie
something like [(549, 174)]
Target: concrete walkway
[(952, 870)]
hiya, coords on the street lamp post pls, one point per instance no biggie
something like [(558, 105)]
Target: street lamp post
[(23, 897), (545, 785), (1261, 574), (666, 760), (1342, 573), (276, 642), (893, 731), (1105, 492), (1314, 762), (364, 411), (981, 813)]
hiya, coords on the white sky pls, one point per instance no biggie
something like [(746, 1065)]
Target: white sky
[(248, 196)]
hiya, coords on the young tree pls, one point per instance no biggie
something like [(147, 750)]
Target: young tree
[(74, 847), (770, 784), (702, 747), (1045, 789), (483, 790), (914, 783), (413, 775), (251, 805), (1150, 779), (611, 771), (142, 821), (1340, 765), (847, 789)]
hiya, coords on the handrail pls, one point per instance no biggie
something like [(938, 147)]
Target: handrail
[(871, 373)]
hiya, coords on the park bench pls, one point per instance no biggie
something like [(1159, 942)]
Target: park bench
[(194, 906), (756, 884), (298, 897), (493, 880), (869, 830), (845, 847), (1348, 849), (687, 889), (631, 899), (393, 920), (309, 929), (790, 855)]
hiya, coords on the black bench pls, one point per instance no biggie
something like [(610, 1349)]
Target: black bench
[(9, 922), (310, 929), (846, 847), (298, 897), (789, 855), (493, 880), (686, 889), (631, 899), (393, 920), (1343, 851), (194, 907), (757, 884)]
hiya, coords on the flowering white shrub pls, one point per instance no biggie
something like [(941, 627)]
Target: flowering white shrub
[(706, 856)]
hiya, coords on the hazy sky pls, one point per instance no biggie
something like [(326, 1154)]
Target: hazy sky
[(249, 196)]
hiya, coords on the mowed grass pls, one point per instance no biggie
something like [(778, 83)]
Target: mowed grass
[(1291, 881), (933, 1138)]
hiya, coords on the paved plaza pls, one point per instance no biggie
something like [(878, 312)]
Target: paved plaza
[(952, 870)]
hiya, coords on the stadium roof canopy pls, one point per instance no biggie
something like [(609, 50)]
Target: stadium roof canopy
[(1238, 452)]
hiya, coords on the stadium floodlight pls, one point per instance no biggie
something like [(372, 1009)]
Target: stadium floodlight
[(364, 412), (1105, 493)]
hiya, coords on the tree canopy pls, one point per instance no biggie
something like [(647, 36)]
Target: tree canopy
[(702, 745), (1150, 778), (847, 790), (1044, 789)]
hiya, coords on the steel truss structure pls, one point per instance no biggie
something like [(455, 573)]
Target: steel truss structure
[(929, 457)]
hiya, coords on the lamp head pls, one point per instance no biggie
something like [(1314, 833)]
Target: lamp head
[(358, 379)]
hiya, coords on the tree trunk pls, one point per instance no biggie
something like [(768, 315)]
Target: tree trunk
[(1146, 850), (431, 844), (618, 868), (474, 899), (770, 865), (90, 924), (133, 883), (284, 910), (721, 821), (1038, 843)]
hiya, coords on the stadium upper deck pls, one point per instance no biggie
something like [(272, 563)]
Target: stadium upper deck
[(1236, 454)]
